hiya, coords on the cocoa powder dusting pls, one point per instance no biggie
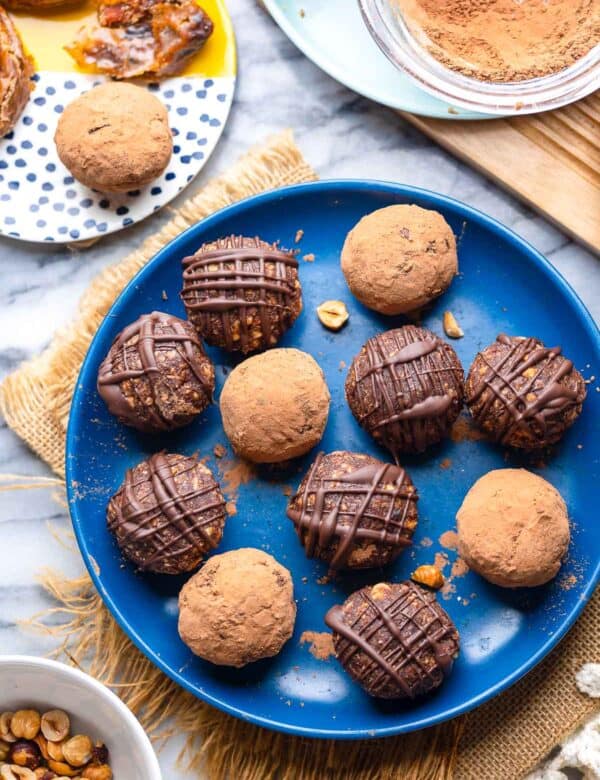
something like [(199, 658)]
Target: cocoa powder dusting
[(321, 644), (464, 430), (504, 40), (440, 561), (449, 540), (459, 568)]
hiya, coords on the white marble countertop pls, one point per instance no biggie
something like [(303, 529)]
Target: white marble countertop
[(342, 135)]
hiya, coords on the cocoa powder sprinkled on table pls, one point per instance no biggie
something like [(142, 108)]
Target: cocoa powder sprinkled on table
[(321, 644)]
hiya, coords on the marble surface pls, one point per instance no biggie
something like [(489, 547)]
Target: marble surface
[(342, 135)]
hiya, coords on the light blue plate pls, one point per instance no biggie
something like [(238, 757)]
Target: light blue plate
[(333, 35), (504, 286)]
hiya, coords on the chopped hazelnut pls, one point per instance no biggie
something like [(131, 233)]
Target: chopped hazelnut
[(428, 575), (333, 314), (5, 731), (25, 724), (102, 772), (380, 591), (78, 750), (451, 326), (55, 750), (55, 725)]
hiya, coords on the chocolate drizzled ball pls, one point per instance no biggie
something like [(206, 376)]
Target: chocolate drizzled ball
[(353, 511), (405, 388), (241, 293), (522, 393), (394, 639), (168, 513), (156, 376)]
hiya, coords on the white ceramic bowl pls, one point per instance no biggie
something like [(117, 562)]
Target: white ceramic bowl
[(42, 684)]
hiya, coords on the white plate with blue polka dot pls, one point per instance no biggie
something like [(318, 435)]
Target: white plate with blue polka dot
[(39, 199)]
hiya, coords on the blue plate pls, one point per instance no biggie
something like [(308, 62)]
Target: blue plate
[(504, 285)]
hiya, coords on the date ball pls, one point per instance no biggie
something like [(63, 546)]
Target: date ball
[(399, 258), (115, 138), (241, 293), (353, 511), (275, 406), (238, 608), (524, 394), (405, 388), (156, 376), (394, 640), (168, 514)]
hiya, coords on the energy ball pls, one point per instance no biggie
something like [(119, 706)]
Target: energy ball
[(353, 511), (238, 608), (399, 258), (394, 640), (115, 138), (275, 406), (241, 293), (168, 513), (405, 388), (513, 528), (522, 393), (156, 376)]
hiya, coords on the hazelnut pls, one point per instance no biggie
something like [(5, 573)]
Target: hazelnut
[(5, 722), (4, 750), (333, 314), (62, 769), (78, 750), (380, 591), (14, 772), (428, 575), (100, 753), (55, 750), (25, 724), (42, 743), (102, 772), (451, 326), (25, 753), (55, 725)]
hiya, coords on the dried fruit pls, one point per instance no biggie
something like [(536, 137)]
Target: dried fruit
[(14, 772), (62, 769), (55, 725), (5, 733), (451, 326), (428, 575), (78, 750), (25, 724), (25, 753), (333, 314), (102, 772)]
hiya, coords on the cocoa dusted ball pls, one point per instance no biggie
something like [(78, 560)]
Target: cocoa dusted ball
[(405, 388), (522, 393), (394, 639), (168, 513), (241, 293), (354, 511), (156, 376)]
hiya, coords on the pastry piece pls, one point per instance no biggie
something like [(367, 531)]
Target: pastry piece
[(513, 528), (115, 138), (151, 38), (241, 293), (16, 70), (394, 639), (275, 406), (238, 608), (522, 393), (353, 511), (168, 514), (399, 258), (156, 376), (405, 388)]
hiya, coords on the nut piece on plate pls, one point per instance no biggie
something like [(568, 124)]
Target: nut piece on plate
[(168, 513), (354, 511), (399, 258), (115, 138), (241, 293), (405, 388), (333, 314), (275, 406), (394, 639), (451, 327), (428, 575), (513, 528), (238, 608), (139, 38), (524, 394), (16, 70), (156, 376)]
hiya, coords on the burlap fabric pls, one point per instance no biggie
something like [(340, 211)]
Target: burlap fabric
[(499, 741)]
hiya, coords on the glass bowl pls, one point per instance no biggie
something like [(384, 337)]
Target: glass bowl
[(391, 33)]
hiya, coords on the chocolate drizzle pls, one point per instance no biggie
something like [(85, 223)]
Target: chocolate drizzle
[(151, 334), (375, 502), (167, 515), (226, 284), (408, 388), (527, 381), (406, 639)]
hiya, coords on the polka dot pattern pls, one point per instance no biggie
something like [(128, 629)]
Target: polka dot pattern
[(41, 200)]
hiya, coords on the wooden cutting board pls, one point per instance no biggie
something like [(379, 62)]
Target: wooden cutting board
[(551, 160)]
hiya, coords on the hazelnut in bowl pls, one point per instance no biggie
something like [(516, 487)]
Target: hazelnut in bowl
[(56, 721)]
